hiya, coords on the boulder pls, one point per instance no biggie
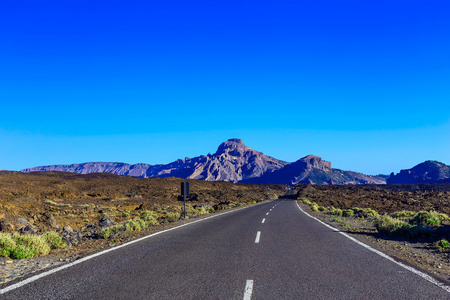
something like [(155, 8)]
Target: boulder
[(106, 222), (22, 221), (50, 220), (28, 230)]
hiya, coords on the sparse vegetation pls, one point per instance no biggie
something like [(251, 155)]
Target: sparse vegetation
[(364, 213), (7, 244), (387, 224), (442, 244), (134, 225), (427, 218), (408, 224), (404, 214), (347, 213), (314, 207), (105, 233), (27, 245), (51, 202), (305, 201), (54, 240), (335, 211), (172, 216)]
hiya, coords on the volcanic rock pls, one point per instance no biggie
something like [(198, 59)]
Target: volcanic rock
[(106, 222)]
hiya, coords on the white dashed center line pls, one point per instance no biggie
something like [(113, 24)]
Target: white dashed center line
[(258, 235), (263, 220), (248, 290), (267, 214)]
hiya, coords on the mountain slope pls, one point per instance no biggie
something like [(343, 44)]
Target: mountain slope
[(117, 168), (313, 170), (427, 172), (233, 161)]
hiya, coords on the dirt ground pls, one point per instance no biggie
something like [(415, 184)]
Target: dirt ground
[(387, 198), (76, 200)]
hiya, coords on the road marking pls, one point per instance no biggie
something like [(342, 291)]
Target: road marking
[(248, 290), (271, 209), (411, 269), (267, 214), (263, 220), (258, 235), (78, 261)]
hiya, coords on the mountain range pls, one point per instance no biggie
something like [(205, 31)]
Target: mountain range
[(429, 171), (235, 162)]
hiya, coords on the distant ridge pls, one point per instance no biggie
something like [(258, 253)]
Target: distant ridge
[(313, 170), (117, 168), (429, 171), (234, 162)]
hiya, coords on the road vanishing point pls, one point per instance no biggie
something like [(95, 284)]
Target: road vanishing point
[(273, 250)]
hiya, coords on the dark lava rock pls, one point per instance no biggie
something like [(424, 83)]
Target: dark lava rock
[(106, 222), (28, 230)]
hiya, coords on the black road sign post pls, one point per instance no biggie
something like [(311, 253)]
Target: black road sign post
[(184, 193)]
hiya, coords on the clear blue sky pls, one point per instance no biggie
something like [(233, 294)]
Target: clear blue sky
[(363, 84)]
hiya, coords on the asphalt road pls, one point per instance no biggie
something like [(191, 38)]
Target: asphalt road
[(224, 257)]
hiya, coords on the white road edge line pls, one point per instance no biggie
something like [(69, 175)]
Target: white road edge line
[(258, 235), (411, 269), (248, 290), (264, 219), (44, 274)]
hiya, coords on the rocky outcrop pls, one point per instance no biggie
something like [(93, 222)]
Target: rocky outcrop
[(427, 172), (313, 170)]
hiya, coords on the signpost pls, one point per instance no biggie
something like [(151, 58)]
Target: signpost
[(184, 193)]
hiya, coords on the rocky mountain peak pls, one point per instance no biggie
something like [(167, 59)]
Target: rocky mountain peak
[(426, 172), (316, 162), (235, 146)]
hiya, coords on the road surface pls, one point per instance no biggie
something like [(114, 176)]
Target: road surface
[(266, 251)]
